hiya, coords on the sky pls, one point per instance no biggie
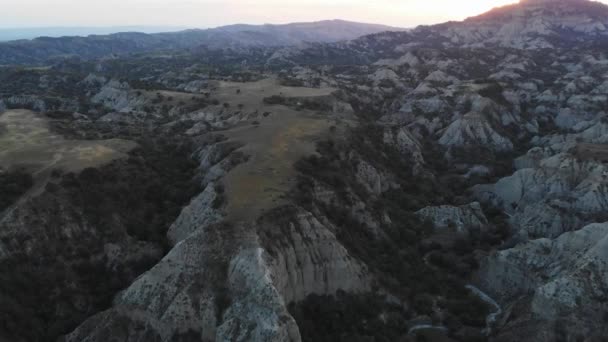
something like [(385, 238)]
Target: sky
[(212, 13)]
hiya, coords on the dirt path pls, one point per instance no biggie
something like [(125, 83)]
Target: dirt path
[(492, 316)]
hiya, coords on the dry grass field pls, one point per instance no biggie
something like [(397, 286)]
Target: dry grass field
[(26, 142), (274, 143)]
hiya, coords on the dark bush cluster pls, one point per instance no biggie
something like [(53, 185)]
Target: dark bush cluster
[(147, 191), (494, 91), (12, 185), (399, 256), (130, 202), (274, 100), (350, 318)]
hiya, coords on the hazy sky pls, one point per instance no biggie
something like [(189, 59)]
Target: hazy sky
[(211, 13)]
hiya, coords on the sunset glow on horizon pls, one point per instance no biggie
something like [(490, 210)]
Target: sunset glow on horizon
[(211, 13)]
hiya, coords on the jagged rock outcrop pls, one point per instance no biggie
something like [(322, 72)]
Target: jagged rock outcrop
[(530, 24), (118, 96), (532, 159), (561, 176), (541, 200), (226, 282), (563, 278), (202, 211), (462, 219), (306, 258), (474, 130), (301, 257), (593, 132), (404, 142), (374, 181), (93, 81), (258, 312), (176, 297)]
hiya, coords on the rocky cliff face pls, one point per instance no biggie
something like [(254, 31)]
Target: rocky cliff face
[(306, 258), (531, 24), (462, 219), (183, 295), (560, 280)]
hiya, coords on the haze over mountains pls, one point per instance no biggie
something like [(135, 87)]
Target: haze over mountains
[(7, 34), (289, 184), (42, 49)]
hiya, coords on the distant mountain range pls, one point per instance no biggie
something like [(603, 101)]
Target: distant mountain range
[(8, 34), (42, 49), (531, 25)]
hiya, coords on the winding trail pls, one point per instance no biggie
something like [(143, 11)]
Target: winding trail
[(427, 327), (492, 317)]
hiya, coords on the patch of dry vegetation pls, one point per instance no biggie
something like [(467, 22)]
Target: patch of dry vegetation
[(279, 137), (27, 143)]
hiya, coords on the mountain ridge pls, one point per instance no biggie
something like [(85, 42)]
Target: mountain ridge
[(42, 49), (28, 33)]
